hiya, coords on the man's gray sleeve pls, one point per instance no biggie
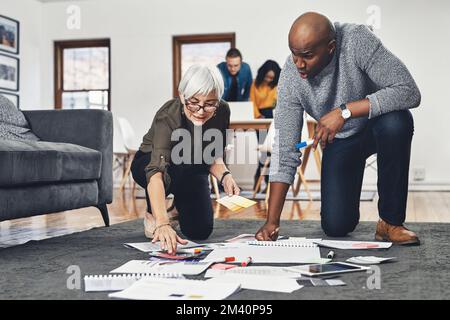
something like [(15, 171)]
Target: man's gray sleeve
[(398, 88), (288, 129)]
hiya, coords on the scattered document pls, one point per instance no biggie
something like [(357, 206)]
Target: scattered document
[(177, 289), (263, 283), (321, 282), (222, 266), (149, 246), (246, 237), (242, 238), (353, 245), (369, 260), (236, 203), (262, 254), (254, 271), (165, 267)]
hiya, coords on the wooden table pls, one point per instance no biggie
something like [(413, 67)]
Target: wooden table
[(254, 124)]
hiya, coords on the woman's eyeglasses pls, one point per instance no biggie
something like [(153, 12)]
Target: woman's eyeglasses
[(207, 106)]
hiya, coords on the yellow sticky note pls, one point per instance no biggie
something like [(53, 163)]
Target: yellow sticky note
[(225, 201), (241, 201)]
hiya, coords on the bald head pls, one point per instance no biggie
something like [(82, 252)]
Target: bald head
[(310, 28), (312, 43)]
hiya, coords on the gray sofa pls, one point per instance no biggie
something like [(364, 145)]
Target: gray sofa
[(69, 168)]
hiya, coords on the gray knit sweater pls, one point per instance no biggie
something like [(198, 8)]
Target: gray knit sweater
[(361, 67)]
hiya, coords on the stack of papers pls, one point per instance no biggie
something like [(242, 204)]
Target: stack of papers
[(266, 254), (235, 203), (177, 289), (369, 260), (262, 283), (254, 271), (149, 246), (353, 245), (174, 268)]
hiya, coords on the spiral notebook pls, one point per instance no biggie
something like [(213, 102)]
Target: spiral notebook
[(116, 282), (284, 243)]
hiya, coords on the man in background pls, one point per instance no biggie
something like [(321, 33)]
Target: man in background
[(237, 77)]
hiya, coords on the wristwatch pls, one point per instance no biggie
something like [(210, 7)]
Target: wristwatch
[(223, 176), (346, 113)]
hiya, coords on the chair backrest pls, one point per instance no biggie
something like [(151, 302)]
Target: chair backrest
[(128, 134), (269, 140)]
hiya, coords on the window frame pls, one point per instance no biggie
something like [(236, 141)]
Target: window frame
[(59, 47), (178, 41)]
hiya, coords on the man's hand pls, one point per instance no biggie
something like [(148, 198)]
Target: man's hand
[(327, 128), (268, 232), (168, 238)]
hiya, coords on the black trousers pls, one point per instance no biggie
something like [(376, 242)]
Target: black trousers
[(190, 187), (343, 163)]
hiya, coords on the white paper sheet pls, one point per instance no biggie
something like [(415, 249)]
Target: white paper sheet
[(165, 267), (262, 283), (369, 260), (353, 245), (149, 246), (177, 289), (256, 271), (261, 254)]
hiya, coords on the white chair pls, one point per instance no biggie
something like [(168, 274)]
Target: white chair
[(129, 141), (266, 148)]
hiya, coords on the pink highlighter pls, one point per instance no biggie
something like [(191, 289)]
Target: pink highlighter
[(246, 262)]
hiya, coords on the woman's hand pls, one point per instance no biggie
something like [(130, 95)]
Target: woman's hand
[(168, 238), (230, 186)]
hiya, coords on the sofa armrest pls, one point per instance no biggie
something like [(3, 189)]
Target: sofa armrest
[(88, 128)]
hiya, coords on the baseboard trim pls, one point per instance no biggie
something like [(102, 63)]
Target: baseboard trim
[(414, 186)]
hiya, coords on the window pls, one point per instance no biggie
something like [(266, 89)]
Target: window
[(202, 48), (82, 74)]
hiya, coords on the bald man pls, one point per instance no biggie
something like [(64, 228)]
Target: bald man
[(360, 94)]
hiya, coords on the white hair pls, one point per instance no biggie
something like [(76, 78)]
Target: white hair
[(201, 79)]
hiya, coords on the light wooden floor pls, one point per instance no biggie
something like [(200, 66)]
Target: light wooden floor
[(422, 207)]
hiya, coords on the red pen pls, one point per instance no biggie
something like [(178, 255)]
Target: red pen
[(246, 262)]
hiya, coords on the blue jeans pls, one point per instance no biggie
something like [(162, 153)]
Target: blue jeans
[(343, 163)]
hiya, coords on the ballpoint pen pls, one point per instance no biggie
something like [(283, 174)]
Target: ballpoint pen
[(304, 144)]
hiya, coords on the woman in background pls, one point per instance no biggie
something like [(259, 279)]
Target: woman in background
[(263, 94)]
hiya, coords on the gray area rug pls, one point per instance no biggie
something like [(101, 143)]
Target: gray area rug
[(38, 269)]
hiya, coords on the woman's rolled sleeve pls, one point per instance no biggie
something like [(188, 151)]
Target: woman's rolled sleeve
[(159, 162)]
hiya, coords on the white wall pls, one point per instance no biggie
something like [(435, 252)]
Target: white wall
[(141, 33), (29, 14)]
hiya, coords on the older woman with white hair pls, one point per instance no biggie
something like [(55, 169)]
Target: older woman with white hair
[(176, 156)]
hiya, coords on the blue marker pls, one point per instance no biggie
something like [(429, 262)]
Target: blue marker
[(304, 144)]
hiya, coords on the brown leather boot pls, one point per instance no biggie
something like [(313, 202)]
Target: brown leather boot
[(395, 234)]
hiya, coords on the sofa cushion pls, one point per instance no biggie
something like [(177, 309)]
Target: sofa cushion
[(30, 162), (13, 124)]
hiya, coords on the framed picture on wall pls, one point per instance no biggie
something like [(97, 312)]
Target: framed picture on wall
[(198, 48), (9, 35), (9, 73), (14, 98)]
